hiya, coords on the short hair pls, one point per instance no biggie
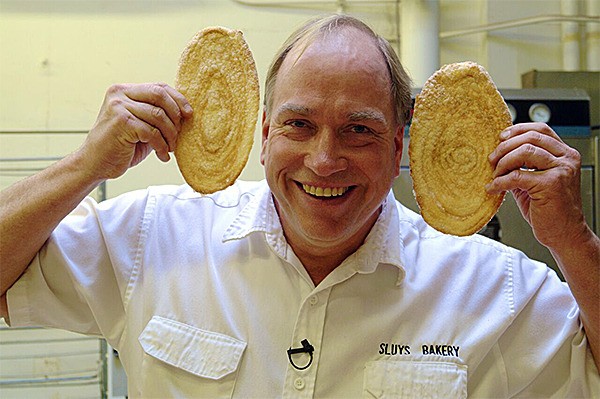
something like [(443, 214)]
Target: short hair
[(316, 28)]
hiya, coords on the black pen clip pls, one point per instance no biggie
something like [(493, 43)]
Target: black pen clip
[(306, 348)]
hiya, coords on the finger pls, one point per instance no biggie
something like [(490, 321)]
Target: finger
[(181, 101), (167, 103), (155, 117), (142, 132), (521, 128), (163, 96), (533, 137), (154, 139), (526, 156), (518, 179)]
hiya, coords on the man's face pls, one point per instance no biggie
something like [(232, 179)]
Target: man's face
[(331, 146)]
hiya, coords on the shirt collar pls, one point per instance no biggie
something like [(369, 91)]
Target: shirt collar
[(382, 245), (259, 215)]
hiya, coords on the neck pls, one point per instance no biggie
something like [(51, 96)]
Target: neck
[(321, 252), (321, 257), (319, 265)]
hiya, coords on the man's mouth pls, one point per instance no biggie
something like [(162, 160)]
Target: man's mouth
[(324, 191)]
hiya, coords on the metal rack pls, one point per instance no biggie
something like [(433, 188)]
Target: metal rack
[(38, 362)]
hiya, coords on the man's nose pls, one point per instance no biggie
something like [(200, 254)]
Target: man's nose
[(324, 156)]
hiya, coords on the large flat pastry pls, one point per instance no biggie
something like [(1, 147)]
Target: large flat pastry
[(217, 75), (457, 121)]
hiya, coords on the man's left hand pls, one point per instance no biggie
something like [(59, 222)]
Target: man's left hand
[(543, 173)]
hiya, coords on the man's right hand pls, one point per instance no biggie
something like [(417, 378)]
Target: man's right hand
[(134, 120)]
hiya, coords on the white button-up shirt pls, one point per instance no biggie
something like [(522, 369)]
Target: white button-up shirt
[(202, 296)]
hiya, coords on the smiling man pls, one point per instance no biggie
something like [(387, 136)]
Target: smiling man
[(332, 149), (315, 282)]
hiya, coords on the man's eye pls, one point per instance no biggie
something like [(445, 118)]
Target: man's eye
[(298, 124), (360, 129)]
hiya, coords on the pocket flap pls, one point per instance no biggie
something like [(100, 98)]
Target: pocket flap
[(203, 353), (415, 379)]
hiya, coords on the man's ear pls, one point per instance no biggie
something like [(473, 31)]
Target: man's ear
[(399, 144), (265, 135)]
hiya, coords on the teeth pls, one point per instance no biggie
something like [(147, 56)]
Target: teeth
[(324, 192)]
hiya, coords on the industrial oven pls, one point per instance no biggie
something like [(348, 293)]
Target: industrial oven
[(567, 111)]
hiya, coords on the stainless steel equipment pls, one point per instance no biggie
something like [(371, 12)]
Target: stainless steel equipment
[(568, 114), (586, 80)]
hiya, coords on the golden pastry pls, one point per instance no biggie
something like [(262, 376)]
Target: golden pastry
[(217, 75), (457, 121)]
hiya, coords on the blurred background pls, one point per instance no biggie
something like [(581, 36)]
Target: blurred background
[(58, 57)]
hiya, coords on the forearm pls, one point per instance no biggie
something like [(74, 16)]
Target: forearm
[(580, 264), (133, 121), (33, 207)]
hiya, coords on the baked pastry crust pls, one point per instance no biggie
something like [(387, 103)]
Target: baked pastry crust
[(217, 75), (457, 121)]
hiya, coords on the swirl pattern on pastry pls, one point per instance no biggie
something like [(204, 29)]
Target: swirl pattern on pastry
[(217, 75), (457, 121)]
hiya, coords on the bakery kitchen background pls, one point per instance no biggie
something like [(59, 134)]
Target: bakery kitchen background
[(58, 58)]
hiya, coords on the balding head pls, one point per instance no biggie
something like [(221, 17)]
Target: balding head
[(341, 25)]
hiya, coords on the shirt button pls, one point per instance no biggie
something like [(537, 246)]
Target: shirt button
[(299, 383), (314, 299)]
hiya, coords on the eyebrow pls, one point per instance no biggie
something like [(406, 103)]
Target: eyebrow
[(367, 115), (297, 109), (357, 116)]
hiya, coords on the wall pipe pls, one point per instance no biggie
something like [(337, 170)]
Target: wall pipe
[(592, 37), (419, 38), (520, 22), (570, 37), (426, 56), (292, 3)]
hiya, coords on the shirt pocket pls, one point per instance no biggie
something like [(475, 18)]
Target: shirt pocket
[(415, 379), (184, 359)]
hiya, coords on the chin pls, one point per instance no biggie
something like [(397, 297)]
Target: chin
[(326, 235)]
